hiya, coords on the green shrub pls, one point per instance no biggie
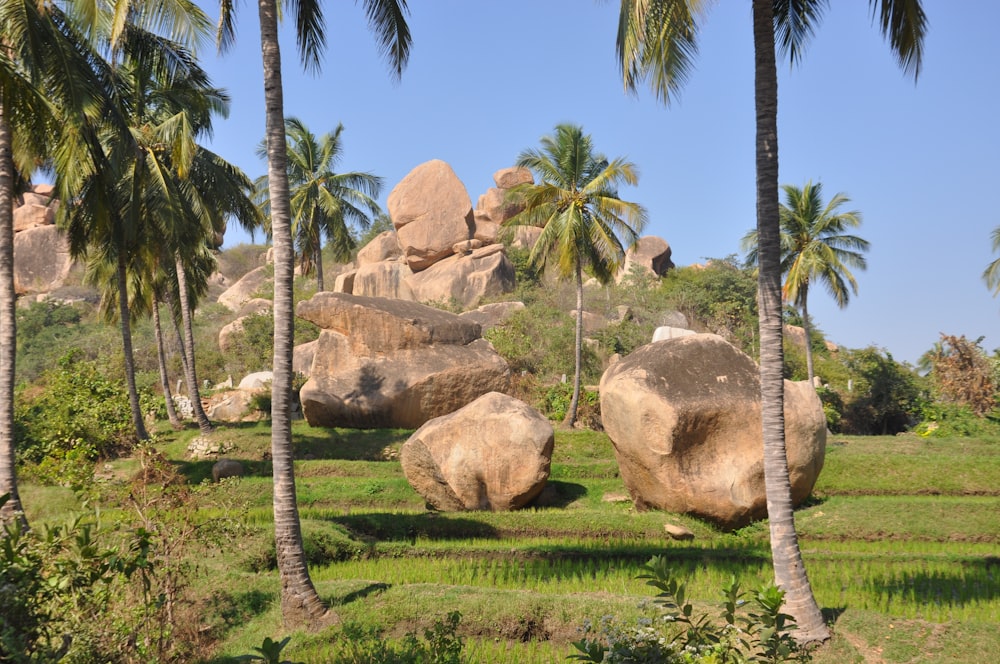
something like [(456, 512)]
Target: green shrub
[(440, 645), (748, 632), (943, 420), (75, 414)]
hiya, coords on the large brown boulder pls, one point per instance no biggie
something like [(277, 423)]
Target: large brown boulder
[(393, 363), (431, 211), (41, 260), (684, 417), (466, 279), (493, 454)]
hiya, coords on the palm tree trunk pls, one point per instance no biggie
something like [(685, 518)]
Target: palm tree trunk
[(300, 603), (190, 374), (177, 328), (161, 357), (574, 403), (807, 328), (11, 510), (319, 269), (789, 570), (125, 315)]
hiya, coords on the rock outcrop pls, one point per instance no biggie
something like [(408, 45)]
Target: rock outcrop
[(650, 255), (493, 454), (684, 417), (464, 279), (41, 260), (431, 212), (243, 290), (392, 363)]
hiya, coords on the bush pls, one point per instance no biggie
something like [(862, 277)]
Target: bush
[(754, 632), (75, 415)]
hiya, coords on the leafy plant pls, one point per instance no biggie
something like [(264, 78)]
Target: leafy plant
[(269, 652), (440, 645), (748, 632)]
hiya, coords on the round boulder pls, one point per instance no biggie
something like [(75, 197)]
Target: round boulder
[(492, 454), (685, 419)]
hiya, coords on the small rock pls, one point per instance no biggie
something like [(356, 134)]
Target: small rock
[(616, 498), (678, 532)]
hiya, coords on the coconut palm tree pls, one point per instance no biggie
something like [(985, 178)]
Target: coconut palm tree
[(387, 18), (585, 225), (991, 275), (656, 41), (45, 71), (124, 208), (815, 248), (323, 201)]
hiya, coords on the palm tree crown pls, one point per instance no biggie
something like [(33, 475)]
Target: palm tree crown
[(815, 249), (325, 204), (582, 219)]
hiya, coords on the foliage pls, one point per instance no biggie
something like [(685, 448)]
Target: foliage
[(268, 652), (540, 340), (963, 374), (554, 402), (833, 407), (721, 296), (440, 645), (942, 420), (252, 348), (760, 633), (886, 396), (75, 415), (56, 587)]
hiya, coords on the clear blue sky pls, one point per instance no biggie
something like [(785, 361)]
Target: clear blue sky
[(486, 80)]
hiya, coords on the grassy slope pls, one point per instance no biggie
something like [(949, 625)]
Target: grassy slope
[(901, 541)]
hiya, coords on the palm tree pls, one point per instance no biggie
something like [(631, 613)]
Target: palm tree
[(991, 275), (323, 201), (123, 209), (815, 248), (45, 69), (582, 218), (657, 39), (299, 600)]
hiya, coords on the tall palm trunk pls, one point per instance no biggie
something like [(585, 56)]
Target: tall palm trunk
[(190, 373), (807, 328), (11, 510), (125, 315), (574, 403), (789, 570), (161, 357), (319, 269), (299, 600)]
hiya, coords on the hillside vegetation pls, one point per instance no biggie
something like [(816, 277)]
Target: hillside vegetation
[(145, 559)]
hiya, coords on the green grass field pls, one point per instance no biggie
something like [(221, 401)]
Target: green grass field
[(901, 539)]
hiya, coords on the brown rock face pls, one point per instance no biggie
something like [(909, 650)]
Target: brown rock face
[(41, 260), (466, 279), (493, 454), (392, 363), (650, 253), (684, 417), (431, 211), (382, 247), (384, 279), (244, 290), (507, 178)]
